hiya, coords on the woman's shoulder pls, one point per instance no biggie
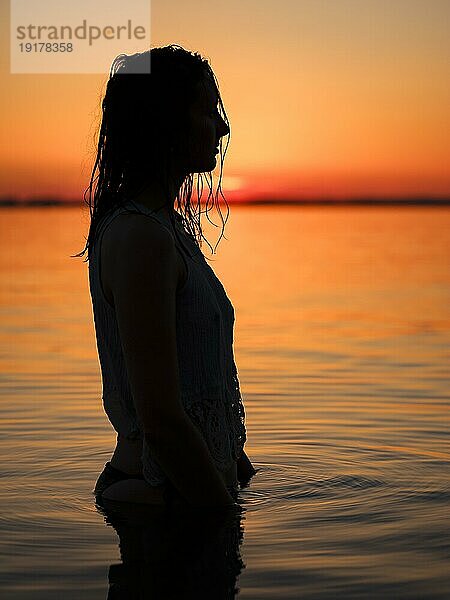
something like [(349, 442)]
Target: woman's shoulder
[(133, 243), (135, 235)]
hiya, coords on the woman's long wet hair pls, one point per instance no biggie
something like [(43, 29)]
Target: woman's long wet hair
[(144, 126)]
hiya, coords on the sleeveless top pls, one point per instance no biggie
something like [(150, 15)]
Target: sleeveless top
[(209, 384)]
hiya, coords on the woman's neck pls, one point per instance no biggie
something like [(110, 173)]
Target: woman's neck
[(155, 197)]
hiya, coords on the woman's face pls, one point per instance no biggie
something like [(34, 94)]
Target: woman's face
[(206, 128)]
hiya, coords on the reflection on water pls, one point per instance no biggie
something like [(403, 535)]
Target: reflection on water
[(342, 337), (173, 554)]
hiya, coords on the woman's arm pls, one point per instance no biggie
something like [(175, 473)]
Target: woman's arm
[(143, 288)]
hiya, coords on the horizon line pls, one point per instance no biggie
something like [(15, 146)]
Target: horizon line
[(362, 200)]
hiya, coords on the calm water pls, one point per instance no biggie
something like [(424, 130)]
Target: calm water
[(342, 344)]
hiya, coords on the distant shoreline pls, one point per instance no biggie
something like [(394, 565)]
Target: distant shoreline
[(415, 201)]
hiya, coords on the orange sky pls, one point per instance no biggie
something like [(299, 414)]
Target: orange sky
[(326, 99)]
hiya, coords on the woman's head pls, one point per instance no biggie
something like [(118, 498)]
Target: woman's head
[(164, 127)]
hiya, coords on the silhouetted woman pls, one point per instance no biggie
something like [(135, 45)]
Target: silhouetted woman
[(163, 321)]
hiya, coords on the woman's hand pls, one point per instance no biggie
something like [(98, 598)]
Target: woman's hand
[(245, 469)]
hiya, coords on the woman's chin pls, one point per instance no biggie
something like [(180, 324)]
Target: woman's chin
[(213, 162), (205, 166)]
